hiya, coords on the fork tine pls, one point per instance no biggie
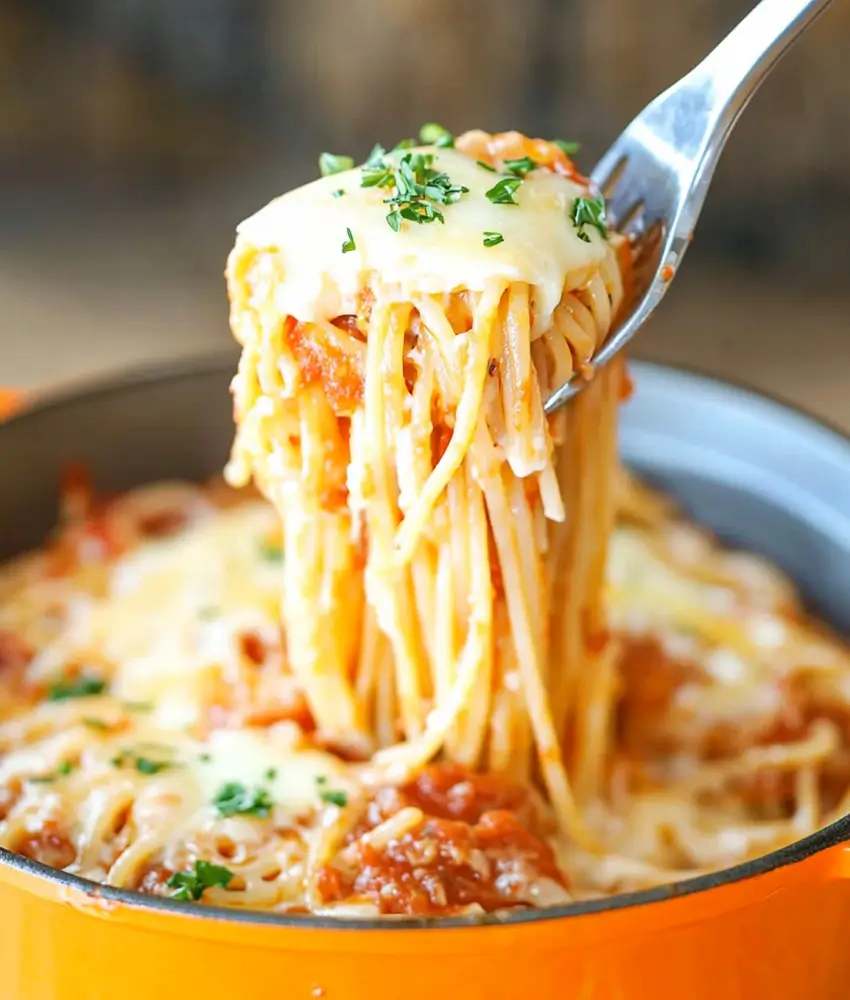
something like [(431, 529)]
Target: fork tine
[(610, 174)]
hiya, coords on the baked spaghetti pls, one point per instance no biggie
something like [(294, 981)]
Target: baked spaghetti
[(460, 662)]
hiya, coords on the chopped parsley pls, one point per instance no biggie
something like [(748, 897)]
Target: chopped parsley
[(589, 212), (190, 885), (96, 724), (376, 171), (417, 187), (205, 758), (329, 795), (338, 193), (270, 774), (486, 166), (432, 134), (234, 799), (63, 769), (330, 163), (567, 147), (503, 192), (138, 706), (144, 765), (270, 551), (81, 687), (522, 166), (349, 244), (147, 766), (404, 144), (493, 239)]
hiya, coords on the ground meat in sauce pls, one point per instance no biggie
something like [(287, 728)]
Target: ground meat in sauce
[(50, 845), (477, 845)]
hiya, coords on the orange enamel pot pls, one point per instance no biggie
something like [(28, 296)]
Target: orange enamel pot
[(774, 929)]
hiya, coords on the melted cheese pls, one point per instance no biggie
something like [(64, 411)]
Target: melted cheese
[(307, 227)]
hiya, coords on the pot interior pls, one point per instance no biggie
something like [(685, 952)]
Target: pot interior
[(759, 474)]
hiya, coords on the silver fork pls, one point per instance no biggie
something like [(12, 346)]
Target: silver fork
[(656, 175)]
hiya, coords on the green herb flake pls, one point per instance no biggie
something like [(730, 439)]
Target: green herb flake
[(81, 687), (338, 193), (61, 771), (349, 244), (271, 774), (330, 163), (522, 166), (486, 166), (570, 148), (190, 885), (329, 795), (96, 724), (432, 134), (205, 758), (144, 765), (503, 192), (270, 551), (334, 798), (234, 799), (147, 766), (404, 144), (493, 239), (137, 706), (589, 212)]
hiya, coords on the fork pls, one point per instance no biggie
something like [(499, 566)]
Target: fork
[(656, 175)]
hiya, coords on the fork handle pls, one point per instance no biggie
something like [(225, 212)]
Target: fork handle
[(747, 54), (697, 114)]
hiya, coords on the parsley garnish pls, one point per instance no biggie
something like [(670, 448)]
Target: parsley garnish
[(589, 212), (522, 166), (234, 799), (268, 550), (349, 243), (205, 758), (493, 239), (82, 687), (190, 885), (432, 134), (418, 187), (503, 192), (64, 768), (137, 706), (148, 766), (96, 724), (271, 774), (376, 172), (404, 144), (330, 163), (144, 765), (567, 147), (338, 193), (329, 795), (486, 166)]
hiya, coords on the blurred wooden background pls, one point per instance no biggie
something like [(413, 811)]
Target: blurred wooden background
[(135, 133)]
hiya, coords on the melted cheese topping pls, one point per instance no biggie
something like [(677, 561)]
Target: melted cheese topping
[(124, 786), (317, 281)]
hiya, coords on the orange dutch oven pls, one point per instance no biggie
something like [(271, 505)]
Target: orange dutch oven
[(773, 929)]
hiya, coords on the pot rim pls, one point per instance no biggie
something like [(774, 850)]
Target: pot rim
[(838, 832)]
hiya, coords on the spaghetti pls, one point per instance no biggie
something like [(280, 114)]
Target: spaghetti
[(395, 416), (508, 675)]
